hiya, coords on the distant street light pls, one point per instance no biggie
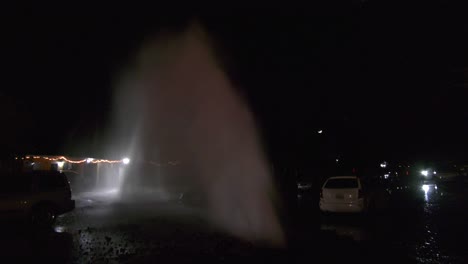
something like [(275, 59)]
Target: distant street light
[(126, 161)]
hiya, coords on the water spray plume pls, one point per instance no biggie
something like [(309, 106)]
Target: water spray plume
[(177, 104)]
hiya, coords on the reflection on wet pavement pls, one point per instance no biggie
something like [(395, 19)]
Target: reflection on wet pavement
[(356, 233), (418, 231), (428, 250), (104, 231)]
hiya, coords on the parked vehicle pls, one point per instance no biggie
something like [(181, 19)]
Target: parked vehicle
[(37, 197), (342, 194)]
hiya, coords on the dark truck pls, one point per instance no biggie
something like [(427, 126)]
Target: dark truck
[(37, 197)]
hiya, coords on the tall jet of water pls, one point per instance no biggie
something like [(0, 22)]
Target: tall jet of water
[(178, 105)]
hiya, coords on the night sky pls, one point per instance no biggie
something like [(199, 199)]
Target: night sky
[(383, 81)]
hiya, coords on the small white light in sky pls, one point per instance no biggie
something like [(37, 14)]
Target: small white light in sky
[(126, 160), (320, 131), (435, 172)]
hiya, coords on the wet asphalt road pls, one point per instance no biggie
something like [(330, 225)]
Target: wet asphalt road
[(101, 230), (433, 230)]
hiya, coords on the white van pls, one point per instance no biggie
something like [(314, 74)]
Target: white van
[(342, 194)]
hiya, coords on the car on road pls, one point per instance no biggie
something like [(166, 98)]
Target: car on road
[(429, 186), (342, 194), (36, 196)]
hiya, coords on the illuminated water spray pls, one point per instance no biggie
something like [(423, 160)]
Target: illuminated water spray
[(176, 105)]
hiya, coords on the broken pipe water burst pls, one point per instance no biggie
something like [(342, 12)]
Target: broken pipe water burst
[(177, 104)]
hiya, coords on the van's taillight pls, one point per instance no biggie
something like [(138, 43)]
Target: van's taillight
[(360, 194)]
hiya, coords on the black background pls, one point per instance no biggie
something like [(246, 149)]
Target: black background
[(383, 80)]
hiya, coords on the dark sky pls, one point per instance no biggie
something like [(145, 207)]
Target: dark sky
[(384, 81)]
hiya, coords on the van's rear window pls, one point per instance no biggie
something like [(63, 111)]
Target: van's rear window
[(341, 184)]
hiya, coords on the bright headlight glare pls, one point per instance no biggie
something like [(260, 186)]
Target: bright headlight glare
[(425, 188)]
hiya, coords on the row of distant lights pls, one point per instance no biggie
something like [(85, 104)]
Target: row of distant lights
[(87, 160), (60, 160), (385, 164)]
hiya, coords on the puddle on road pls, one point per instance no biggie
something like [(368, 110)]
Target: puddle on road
[(353, 232), (428, 249), (356, 227)]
